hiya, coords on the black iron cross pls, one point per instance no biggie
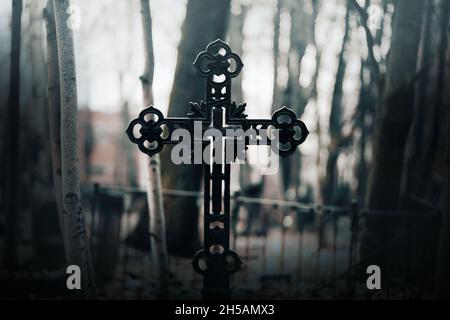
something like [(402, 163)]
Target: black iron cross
[(218, 64)]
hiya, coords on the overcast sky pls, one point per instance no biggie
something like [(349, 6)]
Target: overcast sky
[(108, 44)]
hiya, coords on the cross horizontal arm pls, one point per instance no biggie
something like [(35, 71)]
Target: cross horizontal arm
[(151, 131)]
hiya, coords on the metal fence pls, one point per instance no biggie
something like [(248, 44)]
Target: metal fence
[(289, 249)]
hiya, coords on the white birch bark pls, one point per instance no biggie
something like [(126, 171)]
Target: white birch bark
[(54, 112), (154, 186), (78, 245)]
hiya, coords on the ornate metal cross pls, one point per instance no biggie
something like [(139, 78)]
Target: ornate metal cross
[(218, 64)]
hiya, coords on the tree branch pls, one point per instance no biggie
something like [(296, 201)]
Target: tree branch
[(369, 38)]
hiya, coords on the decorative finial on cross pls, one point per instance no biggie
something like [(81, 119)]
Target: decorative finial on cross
[(151, 131), (218, 64)]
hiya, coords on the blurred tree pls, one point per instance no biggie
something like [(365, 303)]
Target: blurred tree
[(126, 153), (294, 95), (205, 22), (393, 122), (421, 181), (423, 186), (12, 125), (130, 162), (395, 115), (426, 178), (270, 184), (413, 148), (154, 188), (78, 244), (366, 104), (441, 170), (4, 83), (339, 140), (365, 107), (276, 54), (316, 6), (88, 143), (443, 266), (371, 81), (36, 116), (35, 181), (236, 36), (54, 113), (364, 16)]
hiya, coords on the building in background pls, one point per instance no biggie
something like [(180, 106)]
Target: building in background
[(105, 156)]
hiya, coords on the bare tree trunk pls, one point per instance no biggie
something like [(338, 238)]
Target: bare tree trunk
[(293, 97), (335, 120), (12, 141), (392, 126), (369, 92), (205, 22), (131, 170), (78, 245), (273, 183), (54, 113), (443, 263), (42, 186), (35, 144), (396, 113), (236, 36), (443, 268), (375, 69), (316, 6), (88, 145), (365, 105), (127, 153), (276, 55), (154, 187), (415, 147)]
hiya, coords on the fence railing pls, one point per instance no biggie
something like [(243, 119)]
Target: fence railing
[(289, 249)]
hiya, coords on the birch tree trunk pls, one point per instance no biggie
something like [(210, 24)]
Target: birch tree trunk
[(78, 245), (12, 141), (54, 113), (276, 56), (154, 187)]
